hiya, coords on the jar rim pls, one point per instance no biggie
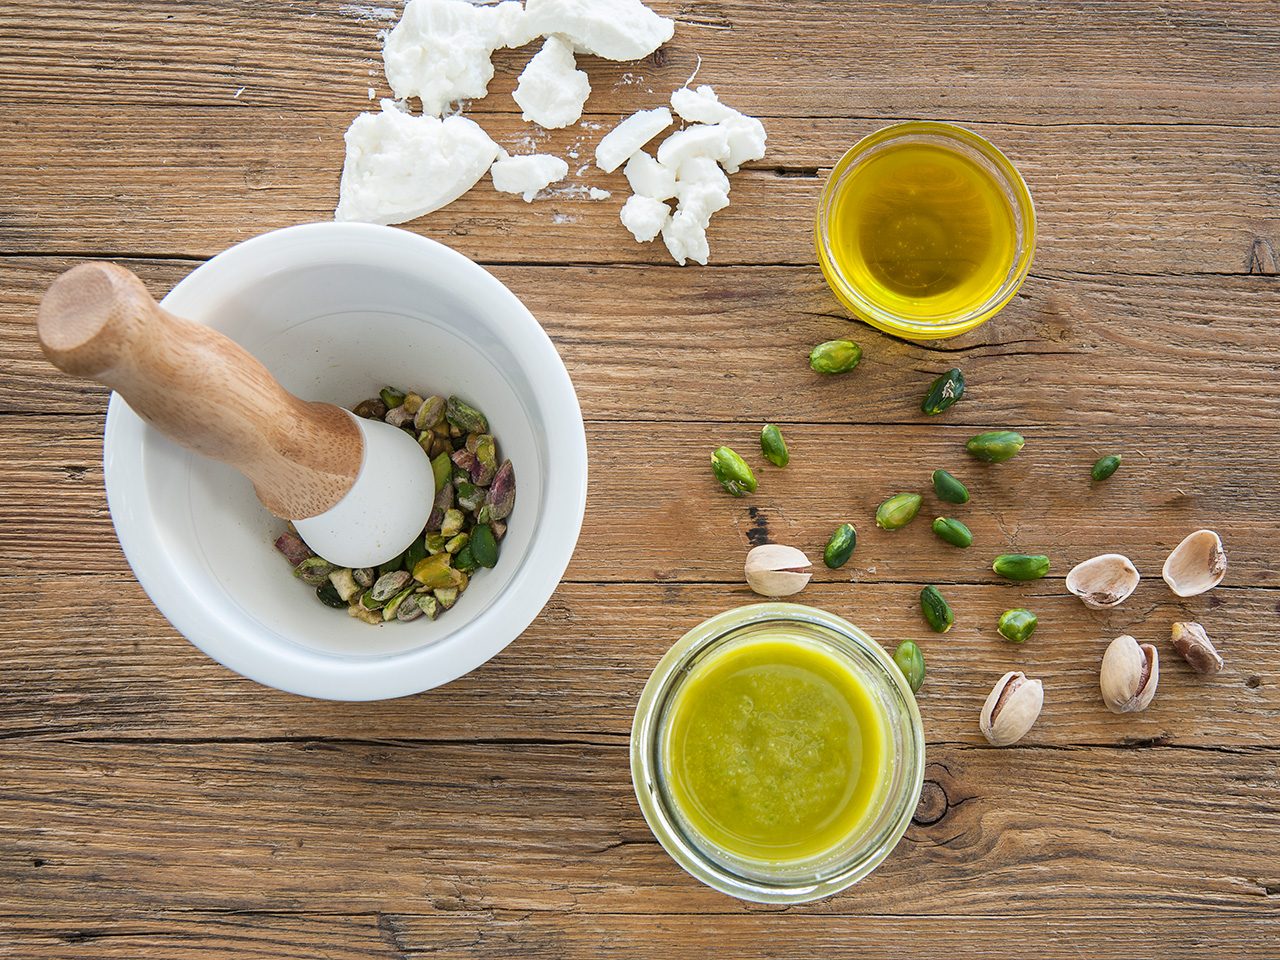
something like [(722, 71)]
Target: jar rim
[(787, 884), (1003, 173)]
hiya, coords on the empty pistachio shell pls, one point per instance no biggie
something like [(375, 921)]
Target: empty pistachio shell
[(1190, 640), (1103, 581), (773, 570), (1130, 673), (1011, 709), (1197, 564)]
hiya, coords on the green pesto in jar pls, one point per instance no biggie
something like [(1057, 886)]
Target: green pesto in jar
[(774, 750)]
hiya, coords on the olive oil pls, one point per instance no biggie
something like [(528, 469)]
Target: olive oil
[(923, 231)]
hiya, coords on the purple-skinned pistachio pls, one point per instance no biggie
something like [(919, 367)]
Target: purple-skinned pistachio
[(294, 550), (502, 493), (444, 501), (486, 452)]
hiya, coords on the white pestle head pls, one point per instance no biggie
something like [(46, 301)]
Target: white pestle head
[(386, 507)]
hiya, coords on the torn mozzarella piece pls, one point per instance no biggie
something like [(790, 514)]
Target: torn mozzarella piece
[(686, 239), (440, 50), (644, 217), (624, 140), (649, 178), (613, 29), (700, 140), (399, 166), (526, 175), (700, 105), (551, 90)]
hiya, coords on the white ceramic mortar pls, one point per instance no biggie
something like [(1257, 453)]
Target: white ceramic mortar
[(336, 311)]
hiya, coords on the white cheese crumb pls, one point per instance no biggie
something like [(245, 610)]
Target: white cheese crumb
[(644, 217), (373, 94), (649, 178), (746, 138), (440, 49), (400, 166), (613, 29), (528, 174), (595, 193), (622, 142), (686, 239), (701, 105), (551, 91), (699, 140)]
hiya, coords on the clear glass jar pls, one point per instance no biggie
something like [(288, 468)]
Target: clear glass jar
[(793, 881), (983, 155)]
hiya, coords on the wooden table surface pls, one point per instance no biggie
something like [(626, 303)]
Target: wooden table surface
[(152, 804)]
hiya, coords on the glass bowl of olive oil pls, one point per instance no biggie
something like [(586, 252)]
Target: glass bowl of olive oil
[(777, 753), (925, 230)]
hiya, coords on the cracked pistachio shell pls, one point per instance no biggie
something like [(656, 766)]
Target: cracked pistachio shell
[(1190, 640), (1129, 675), (1103, 581), (1011, 709), (1197, 564), (835, 356), (773, 446), (773, 570), (996, 446), (899, 510)]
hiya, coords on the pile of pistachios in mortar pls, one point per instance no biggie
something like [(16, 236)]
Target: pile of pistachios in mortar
[(475, 493), (1129, 672)]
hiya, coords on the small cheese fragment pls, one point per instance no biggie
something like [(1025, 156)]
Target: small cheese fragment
[(595, 193), (746, 138), (624, 140), (701, 172), (700, 105), (686, 239), (649, 178), (526, 175), (700, 140), (551, 91), (440, 50), (613, 29), (644, 217), (399, 166)]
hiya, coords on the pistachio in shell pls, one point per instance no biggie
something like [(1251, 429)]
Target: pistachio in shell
[(1011, 709)]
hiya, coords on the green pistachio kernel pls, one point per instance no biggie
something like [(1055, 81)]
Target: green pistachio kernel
[(1016, 625), (840, 546), (329, 596), (943, 392), (898, 511), (936, 610), (835, 356), (391, 397), (996, 446), (732, 472), (484, 547), (911, 662), (948, 488), (952, 531), (773, 446), (465, 417), (1021, 566), (1105, 467)]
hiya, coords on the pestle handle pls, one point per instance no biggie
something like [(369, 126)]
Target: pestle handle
[(200, 389)]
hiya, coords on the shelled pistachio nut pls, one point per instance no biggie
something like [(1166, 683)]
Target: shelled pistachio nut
[(996, 446), (943, 392), (773, 570), (1021, 566), (773, 446), (948, 488), (899, 510), (937, 612), (1016, 625), (1129, 675), (732, 472), (1011, 709), (1197, 564), (952, 531), (1190, 640), (835, 356), (911, 662), (840, 547), (1103, 581), (1105, 467)]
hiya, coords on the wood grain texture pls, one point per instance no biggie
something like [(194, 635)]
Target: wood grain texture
[(155, 805)]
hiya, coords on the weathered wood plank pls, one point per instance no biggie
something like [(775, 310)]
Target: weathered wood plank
[(732, 345), (1027, 61), (1128, 935), (657, 513), (430, 827), (90, 658), (156, 179)]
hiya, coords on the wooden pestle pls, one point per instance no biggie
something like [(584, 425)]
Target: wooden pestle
[(200, 389)]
